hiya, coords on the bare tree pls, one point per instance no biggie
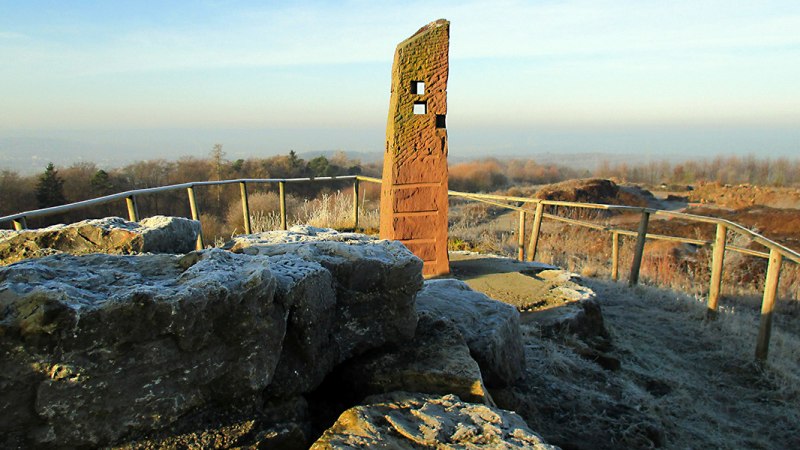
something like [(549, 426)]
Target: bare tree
[(217, 165)]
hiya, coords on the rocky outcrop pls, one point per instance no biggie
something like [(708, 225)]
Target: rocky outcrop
[(309, 349), (436, 361), (578, 320), (375, 281), (402, 420), (98, 346), (590, 190), (583, 319), (490, 328), (97, 349), (158, 234), (280, 425)]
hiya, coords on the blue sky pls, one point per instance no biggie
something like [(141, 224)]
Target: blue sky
[(138, 79)]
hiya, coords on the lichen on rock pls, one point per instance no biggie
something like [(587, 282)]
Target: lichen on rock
[(97, 346), (113, 235), (376, 281), (407, 420)]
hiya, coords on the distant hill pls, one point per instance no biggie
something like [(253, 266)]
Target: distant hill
[(29, 155)]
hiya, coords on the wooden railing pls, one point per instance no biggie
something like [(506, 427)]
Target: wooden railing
[(19, 220), (776, 253)]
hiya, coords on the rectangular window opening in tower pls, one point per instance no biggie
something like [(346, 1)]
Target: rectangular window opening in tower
[(418, 87), (420, 108)]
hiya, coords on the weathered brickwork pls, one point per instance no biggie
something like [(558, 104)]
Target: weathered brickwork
[(414, 190)]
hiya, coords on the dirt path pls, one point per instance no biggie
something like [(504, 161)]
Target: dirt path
[(683, 382)]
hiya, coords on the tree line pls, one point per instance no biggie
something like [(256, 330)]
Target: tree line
[(779, 172), (492, 174), (85, 180)]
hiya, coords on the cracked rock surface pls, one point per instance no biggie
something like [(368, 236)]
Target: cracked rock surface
[(96, 346), (406, 421), (113, 235), (376, 281)]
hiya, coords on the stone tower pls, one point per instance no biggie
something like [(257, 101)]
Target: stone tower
[(414, 188)]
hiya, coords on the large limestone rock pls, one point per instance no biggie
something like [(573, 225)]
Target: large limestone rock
[(309, 348), (577, 322), (409, 421), (375, 280), (278, 425), (436, 361), (158, 234), (98, 346), (491, 328)]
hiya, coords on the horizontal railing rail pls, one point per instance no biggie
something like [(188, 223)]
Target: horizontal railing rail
[(776, 255), (777, 252), (154, 190), (756, 237)]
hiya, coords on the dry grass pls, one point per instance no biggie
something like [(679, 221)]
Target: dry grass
[(474, 227), (681, 267), (329, 210)]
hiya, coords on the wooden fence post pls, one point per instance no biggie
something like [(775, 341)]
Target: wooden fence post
[(537, 225), (641, 237), (716, 270), (133, 209), (355, 204), (282, 192), (521, 237), (615, 256), (768, 304), (20, 224), (245, 208), (195, 216)]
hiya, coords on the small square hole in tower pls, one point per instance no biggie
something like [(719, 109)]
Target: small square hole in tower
[(418, 87), (420, 108), (441, 121)]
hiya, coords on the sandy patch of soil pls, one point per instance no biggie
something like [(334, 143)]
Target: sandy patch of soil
[(515, 282)]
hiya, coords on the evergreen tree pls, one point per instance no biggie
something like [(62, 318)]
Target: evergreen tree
[(319, 166), (294, 161), (50, 188), (101, 183)]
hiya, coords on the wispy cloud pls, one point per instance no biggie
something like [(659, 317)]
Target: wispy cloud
[(571, 60), (252, 35), (10, 35)]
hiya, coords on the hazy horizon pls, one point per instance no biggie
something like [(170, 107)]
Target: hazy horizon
[(115, 148), (124, 81)]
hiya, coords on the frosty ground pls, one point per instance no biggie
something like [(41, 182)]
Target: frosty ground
[(683, 381)]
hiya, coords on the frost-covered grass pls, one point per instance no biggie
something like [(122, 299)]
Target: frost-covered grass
[(329, 210), (694, 379)]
